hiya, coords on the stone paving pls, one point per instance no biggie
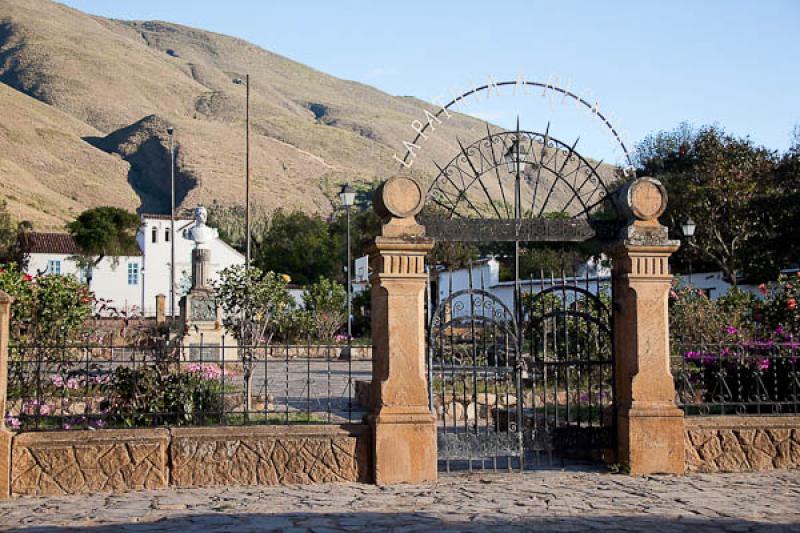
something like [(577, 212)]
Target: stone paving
[(552, 500)]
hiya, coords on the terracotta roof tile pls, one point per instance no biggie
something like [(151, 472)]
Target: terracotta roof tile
[(52, 243), (49, 243)]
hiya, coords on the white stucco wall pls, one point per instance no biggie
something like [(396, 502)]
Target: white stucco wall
[(110, 281), (714, 284), (157, 258), (109, 278)]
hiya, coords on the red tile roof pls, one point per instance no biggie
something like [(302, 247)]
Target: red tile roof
[(49, 243), (35, 242)]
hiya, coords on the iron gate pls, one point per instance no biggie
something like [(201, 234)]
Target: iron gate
[(511, 392), (521, 371)]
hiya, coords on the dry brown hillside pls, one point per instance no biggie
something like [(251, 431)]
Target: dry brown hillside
[(112, 87)]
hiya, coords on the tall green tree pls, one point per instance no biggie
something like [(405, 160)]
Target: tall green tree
[(299, 245), (104, 232), (724, 184)]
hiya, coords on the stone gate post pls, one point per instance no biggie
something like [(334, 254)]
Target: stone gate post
[(650, 427), (403, 428), (5, 434)]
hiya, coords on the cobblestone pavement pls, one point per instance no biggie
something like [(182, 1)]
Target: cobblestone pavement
[(541, 501)]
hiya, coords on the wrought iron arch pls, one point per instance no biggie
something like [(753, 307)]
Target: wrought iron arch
[(520, 186), (566, 93), (476, 315)]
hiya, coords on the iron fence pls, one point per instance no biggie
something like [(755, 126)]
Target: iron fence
[(107, 385), (758, 377)]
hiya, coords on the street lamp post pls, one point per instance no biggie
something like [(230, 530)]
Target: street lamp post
[(688, 228), (515, 159), (170, 132), (348, 197), (246, 83)]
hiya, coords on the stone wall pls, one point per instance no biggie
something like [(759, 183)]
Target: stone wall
[(73, 462), (742, 443), (268, 455)]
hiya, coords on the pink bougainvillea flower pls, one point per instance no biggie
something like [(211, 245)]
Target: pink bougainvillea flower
[(791, 304), (762, 289), (13, 422), (27, 277), (730, 330)]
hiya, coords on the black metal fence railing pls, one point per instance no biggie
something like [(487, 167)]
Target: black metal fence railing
[(759, 377), (92, 386)]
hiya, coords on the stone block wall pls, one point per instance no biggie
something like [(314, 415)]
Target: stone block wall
[(72, 462), (268, 455), (742, 443), (55, 463)]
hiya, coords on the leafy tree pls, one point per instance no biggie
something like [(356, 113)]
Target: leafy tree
[(230, 222), (298, 245), (784, 204), (104, 232), (326, 303), (47, 309), (719, 181), (256, 306)]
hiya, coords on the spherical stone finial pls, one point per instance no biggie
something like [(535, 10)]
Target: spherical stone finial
[(645, 198), (399, 197)]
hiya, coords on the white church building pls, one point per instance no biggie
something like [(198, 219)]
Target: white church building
[(130, 284)]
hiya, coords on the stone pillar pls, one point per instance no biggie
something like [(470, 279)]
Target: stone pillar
[(403, 428), (161, 309), (201, 267), (5, 434), (650, 427)]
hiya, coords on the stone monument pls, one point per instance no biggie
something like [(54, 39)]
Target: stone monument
[(650, 427), (403, 427), (201, 317)]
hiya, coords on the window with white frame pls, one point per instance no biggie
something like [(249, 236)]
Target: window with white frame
[(54, 266), (133, 273), (155, 234), (166, 235)]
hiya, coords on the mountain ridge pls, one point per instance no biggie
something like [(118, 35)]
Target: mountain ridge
[(126, 81)]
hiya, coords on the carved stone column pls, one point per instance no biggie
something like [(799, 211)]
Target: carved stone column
[(201, 268), (5, 434), (650, 427), (403, 428)]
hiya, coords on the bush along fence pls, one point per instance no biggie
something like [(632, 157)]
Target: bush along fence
[(736, 365), (70, 385), (111, 416)]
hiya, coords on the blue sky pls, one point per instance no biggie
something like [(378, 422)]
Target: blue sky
[(650, 64)]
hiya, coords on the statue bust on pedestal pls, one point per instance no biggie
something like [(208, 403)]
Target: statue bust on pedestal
[(200, 315)]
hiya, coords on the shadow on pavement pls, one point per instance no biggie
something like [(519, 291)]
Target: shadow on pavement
[(241, 522)]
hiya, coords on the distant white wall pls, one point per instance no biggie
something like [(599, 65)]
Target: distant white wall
[(714, 284), (137, 293), (110, 279), (154, 241)]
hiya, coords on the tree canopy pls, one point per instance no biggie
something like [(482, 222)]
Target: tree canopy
[(739, 195), (105, 232)]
